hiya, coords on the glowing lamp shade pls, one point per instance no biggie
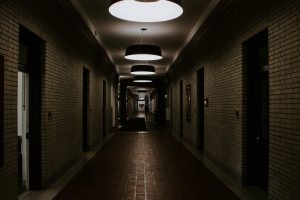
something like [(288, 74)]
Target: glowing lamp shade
[(143, 52), (142, 70), (146, 11), (142, 79)]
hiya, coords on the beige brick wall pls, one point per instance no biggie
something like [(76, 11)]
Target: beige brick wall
[(220, 53), (9, 32), (61, 88), (284, 55)]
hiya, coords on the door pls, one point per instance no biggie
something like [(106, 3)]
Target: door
[(85, 104), (257, 110), (1, 111), (29, 109), (104, 110), (23, 129), (200, 111), (181, 109), (171, 107), (146, 104)]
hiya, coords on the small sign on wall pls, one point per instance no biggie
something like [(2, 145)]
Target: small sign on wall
[(1, 111)]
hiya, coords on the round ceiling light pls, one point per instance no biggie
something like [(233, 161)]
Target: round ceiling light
[(143, 52), (146, 10), (142, 70), (142, 79)]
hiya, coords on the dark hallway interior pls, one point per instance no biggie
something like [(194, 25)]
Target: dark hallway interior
[(149, 99)]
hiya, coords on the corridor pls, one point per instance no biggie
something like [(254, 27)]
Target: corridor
[(174, 100), (144, 166)]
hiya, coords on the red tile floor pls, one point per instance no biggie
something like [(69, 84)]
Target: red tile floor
[(147, 166)]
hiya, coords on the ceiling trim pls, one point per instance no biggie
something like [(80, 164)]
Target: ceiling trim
[(192, 33), (81, 21), (204, 26)]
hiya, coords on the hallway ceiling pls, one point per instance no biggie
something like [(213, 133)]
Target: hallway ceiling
[(141, 92), (115, 34)]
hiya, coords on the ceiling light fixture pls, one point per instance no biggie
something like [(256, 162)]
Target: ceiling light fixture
[(142, 79), (143, 52), (146, 10), (142, 70)]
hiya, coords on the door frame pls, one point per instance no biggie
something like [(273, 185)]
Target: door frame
[(23, 142), (85, 108), (200, 109), (171, 107), (251, 166), (104, 109), (181, 109), (1, 111), (36, 46)]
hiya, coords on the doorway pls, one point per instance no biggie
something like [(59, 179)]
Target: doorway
[(85, 105), (1, 111), (23, 127), (146, 105), (29, 110), (181, 109), (257, 151), (171, 107), (104, 110), (200, 111)]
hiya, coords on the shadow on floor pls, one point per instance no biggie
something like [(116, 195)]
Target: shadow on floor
[(134, 124)]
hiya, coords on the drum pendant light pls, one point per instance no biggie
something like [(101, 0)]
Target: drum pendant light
[(143, 52), (142, 70), (142, 79), (146, 10)]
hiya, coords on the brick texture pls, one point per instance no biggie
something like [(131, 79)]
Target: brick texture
[(61, 89), (221, 54), (8, 33)]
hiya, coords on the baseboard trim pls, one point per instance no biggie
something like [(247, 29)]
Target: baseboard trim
[(61, 182), (234, 184)]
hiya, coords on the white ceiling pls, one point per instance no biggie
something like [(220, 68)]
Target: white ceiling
[(115, 34)]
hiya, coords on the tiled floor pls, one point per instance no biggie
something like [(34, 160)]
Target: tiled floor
[(144, 166)]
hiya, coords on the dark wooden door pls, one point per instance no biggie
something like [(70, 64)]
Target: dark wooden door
[(85, 104), (181, 109), (257, 110), (171, 107), (104, 110), (1, 111), (200, 111)]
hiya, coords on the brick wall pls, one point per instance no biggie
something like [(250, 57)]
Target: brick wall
[(9, 32), (61, 88), (284, 55), (220, 53)]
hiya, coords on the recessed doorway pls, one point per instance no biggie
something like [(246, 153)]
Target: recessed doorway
[(29, 110), (104, 110), (85, 107), (200, 111), (257, 151), (181, 109)]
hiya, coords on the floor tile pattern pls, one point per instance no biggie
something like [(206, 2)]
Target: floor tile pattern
[(144, 166)]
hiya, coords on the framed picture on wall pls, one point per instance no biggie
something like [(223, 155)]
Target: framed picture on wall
[(188, 103), (1, 111)]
